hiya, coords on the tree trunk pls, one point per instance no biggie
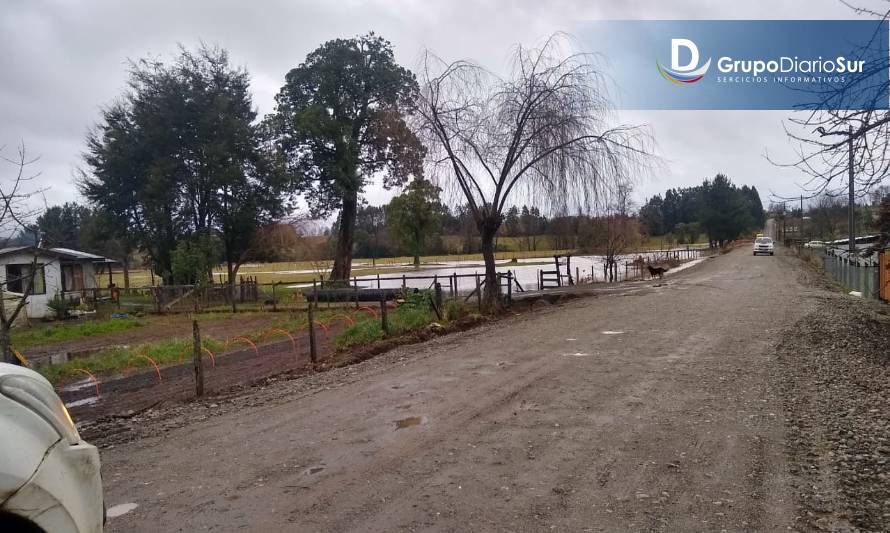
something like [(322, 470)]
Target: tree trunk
[(343, 254), (491, 296), (416, 261), (5, 337), (231, 271), (126, 265), (6, 345)]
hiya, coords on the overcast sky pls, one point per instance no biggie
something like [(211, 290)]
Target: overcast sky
[(63, 61)]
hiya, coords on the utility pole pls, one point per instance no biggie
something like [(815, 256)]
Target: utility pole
[(852, 211)]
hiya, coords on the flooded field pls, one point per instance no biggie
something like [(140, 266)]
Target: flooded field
[(525, 271)]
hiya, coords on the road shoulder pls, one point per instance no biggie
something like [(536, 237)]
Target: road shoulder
[(834, 380)]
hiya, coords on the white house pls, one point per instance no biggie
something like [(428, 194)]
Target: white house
[(60, 271)]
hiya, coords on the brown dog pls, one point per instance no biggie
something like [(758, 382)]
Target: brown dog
[(656, 271)]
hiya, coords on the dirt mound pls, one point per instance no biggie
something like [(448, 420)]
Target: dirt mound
[(835, 370)]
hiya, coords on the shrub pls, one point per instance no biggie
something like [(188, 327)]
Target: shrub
[(61, 307), (412, 315), (455, 309)]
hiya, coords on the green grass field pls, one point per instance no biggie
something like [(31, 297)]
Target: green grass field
[(59, 331)]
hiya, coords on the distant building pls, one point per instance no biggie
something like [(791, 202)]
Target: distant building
[(61, 271)]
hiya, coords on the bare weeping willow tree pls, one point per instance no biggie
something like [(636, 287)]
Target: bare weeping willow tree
[(842, 142), (542, 133)]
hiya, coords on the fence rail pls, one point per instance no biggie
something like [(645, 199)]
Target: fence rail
[(248, 293)]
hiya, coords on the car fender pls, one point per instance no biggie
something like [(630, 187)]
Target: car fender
[(58, 497), (25, 440)]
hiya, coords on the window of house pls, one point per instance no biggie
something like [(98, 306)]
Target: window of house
[(72, 277), (19, 276)]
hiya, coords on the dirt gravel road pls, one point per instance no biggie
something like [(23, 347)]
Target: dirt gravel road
[(648, 411)]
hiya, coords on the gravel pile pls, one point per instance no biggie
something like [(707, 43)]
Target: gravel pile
[(834, 372)]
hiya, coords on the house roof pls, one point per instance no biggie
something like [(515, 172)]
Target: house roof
[(79, 255), (62, 253)]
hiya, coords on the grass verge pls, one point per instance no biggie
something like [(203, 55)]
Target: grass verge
[(401, 320), (29, 337), (120, 358), (413, 315), (167, 351)]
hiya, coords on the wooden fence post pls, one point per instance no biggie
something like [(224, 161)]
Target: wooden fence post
[(231, 287), (196, 356), (274, 299), (314, 301), (384, 321), (355, 282), (478, 293), (510, 287), (313, 349)]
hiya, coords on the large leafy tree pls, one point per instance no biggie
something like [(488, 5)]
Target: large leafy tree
[(414, 217), (725, 210), (340, 121), (60, 225), (371, 237), (717, 206), (180, 155), (76, 226), (652, 216)]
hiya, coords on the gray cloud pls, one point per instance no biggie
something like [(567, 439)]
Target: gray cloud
[(64, 60)]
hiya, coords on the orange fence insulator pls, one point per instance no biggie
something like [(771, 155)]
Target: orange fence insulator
[(87, 373), (203, 349), (152, 361), (245, 339), (324, 327), (347, 317), (293, 341), (208, 352), (321, 325), (369, 310)]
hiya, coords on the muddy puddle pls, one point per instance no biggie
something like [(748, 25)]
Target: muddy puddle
[(411, 421)]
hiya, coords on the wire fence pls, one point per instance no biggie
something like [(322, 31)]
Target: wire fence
[(247, 293)]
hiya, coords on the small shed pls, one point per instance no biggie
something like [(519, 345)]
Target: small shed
[(60, 271)]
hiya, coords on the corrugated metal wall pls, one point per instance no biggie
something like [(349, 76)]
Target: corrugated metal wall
[(884, 262), (864, 279)]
